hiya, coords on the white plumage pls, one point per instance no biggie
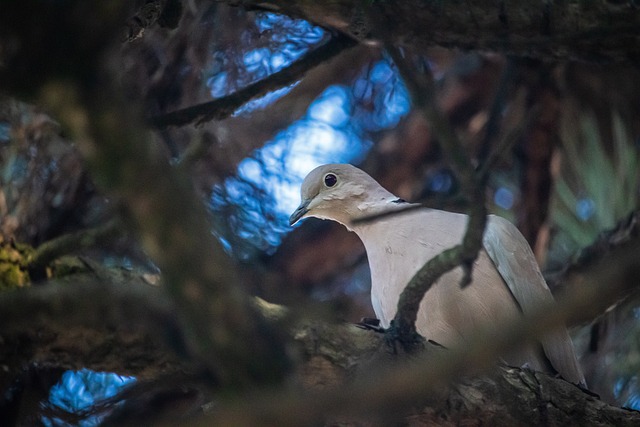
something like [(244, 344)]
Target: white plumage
[(506, 277)]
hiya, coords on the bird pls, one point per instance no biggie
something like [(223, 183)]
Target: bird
[(506, 280)]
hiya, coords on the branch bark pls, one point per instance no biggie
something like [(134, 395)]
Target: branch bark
[(99, 320), (69, 243), (513, 397), (346, 373), (385, 386), (601, 31)]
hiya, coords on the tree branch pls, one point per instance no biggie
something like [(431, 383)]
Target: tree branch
[(384, 386), (594, 31), (421, 88), (106, 320), (387, 389), (69, 243), (221, 108), (604, 251), (221, 326)]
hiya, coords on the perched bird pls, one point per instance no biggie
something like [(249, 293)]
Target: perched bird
[(506, 280)]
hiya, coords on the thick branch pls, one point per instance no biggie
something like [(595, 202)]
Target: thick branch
[(596, 31), (105, 320), (385, 386), (513, 397)]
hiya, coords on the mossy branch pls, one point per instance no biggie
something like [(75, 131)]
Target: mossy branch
[(67, 244)]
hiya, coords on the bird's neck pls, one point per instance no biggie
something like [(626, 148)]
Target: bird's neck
[(367, 211)]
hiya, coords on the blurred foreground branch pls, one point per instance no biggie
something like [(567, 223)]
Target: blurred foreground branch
[(100, 320), (489, 400), (385, 385), (221, 327)]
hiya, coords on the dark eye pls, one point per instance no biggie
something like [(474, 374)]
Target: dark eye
[(330, 180)]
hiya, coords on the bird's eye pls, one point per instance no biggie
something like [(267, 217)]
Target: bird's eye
[(330, 180)]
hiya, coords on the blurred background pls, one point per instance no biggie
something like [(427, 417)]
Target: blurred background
[(564, 135)]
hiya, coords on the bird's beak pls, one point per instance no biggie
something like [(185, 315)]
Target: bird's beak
[(299, 212)]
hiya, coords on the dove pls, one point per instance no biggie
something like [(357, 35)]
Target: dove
[(506, 279)]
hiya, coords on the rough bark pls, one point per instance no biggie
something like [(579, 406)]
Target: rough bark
[(346, 374), (588, 30), (99, 320), (351, 374)]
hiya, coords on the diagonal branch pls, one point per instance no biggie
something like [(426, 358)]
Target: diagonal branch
[(421, 87), (69, 243), (222, 108)]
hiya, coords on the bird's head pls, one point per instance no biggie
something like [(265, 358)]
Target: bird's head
[(339, 192)]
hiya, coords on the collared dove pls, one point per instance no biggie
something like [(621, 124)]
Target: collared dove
[(506, 278)]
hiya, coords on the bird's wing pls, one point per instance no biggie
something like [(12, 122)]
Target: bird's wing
[(512, 256), (514, 259)]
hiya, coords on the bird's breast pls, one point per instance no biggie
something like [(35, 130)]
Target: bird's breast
[(397, 247)]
